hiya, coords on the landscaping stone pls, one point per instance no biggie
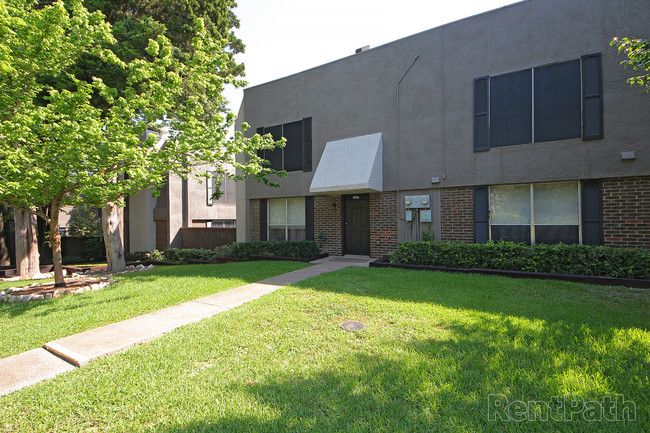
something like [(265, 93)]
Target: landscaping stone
[(38, 297), (352, 325)]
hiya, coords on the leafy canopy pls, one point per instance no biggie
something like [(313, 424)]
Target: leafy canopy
[(58, 145), (638, 59)]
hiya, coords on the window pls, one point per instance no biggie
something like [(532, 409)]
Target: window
[(227, 189), (210, 187), (286, 220), (296, 154), (535, 213), (555, 102)]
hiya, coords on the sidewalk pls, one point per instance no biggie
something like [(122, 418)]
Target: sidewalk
[(65, 354)]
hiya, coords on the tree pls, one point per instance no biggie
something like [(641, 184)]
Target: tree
[(638, 59), (59, 146), (134, 24), (84, 221), (4, 250)]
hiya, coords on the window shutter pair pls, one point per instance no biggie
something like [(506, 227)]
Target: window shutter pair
[(591, 214), (556, 115)]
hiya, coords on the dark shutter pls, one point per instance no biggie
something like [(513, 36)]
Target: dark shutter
[(481, 215), (293, 148), (591, 213), (275, 156), (481, 126), (511, 109), (260, 152), (263, 219), (309, 218), (306, 143), (592, 94), (557, 102)]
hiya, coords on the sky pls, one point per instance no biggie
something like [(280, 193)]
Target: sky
[(284, 37)]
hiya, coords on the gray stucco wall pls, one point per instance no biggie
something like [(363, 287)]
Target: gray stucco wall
[(357, 96)]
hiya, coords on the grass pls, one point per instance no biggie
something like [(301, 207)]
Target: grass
[(436, 346), (30, 325)]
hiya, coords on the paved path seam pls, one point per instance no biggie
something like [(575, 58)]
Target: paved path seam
[(65, 354)]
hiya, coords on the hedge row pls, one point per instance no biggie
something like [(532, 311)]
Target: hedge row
[(555, 259), (237, 250)]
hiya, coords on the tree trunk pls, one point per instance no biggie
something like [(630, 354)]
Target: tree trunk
[(55, 240), (112, 238), (27, 257), (4, 251)]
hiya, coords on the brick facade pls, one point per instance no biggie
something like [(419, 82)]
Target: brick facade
[(328, 220), (457, 214), (203, 237), (383, 223), (626, 212), (255, 219)]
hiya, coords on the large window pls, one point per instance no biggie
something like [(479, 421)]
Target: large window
[(535, 213), (286, 220), (555, 102), (296, 154)]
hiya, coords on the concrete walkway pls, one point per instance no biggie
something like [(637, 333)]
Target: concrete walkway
[(63, 355)]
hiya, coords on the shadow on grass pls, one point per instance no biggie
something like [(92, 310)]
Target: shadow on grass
[(571, 303), (444, 384), (169, 278)]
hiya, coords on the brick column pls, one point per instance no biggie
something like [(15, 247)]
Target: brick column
[(626, 212), (255, 219), (457, 214), (383, 223), (328, 220)]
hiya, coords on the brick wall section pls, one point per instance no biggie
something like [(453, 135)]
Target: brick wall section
[(327, 220), (255, 219), (457, 214), (383, 223), (626, 212), (209, 238)]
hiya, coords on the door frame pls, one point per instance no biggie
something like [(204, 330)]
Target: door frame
[(344, 201)]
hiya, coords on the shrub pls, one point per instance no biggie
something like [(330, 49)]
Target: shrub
[(557, 259), (296, 249), (238, 250)]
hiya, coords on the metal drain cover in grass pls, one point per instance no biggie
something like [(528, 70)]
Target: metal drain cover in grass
[(352, 325)]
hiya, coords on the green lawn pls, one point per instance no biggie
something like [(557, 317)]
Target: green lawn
[(30, 325), (436, 346)]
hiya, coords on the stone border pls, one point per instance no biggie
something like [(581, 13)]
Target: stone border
[(383, 262), (97, 284), (105, 280)]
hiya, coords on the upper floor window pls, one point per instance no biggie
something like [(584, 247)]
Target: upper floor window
[(227, 189), (555, 102), (296, 154)]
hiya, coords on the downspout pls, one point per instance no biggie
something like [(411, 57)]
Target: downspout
[(397, 149)]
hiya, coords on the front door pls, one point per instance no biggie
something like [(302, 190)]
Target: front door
[(357, 224)]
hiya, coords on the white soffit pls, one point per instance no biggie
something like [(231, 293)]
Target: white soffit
[(350, 165)]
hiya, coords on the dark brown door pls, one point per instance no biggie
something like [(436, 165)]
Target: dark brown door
[(357, 224)]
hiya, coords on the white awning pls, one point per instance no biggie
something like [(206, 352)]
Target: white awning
[(349, 166)]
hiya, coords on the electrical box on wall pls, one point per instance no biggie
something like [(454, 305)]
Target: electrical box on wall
[(417, 202), (425, 216), (409, 215)]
